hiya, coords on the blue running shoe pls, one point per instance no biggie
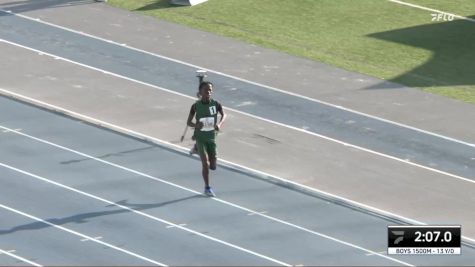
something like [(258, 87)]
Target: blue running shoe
[(209, 192)]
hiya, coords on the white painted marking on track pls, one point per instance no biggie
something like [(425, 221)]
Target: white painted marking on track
[(431, 9), (136, 212), (248, 81), (9, 253), (173, 226), (224, 201), (94, 238), (51, 78), (72, 231), (380, 252), (257, 212), (246, 103), (257, 117), (17, 130)]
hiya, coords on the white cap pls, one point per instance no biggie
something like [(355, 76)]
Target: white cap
[(201, 73)]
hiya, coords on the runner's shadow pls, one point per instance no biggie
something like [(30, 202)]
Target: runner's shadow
[(30, 5), (84, 217), (115, 154)]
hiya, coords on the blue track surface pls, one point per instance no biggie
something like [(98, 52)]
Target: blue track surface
[(154, 188)]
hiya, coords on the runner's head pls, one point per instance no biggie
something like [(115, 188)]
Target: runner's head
[(205, 90)]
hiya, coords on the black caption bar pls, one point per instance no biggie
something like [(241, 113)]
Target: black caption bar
[(411, 236)]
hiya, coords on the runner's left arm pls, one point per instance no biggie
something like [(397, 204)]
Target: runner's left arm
[(223, 116)]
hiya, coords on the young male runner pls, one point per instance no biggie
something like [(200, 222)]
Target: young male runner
[(201, 74), (206, 124)]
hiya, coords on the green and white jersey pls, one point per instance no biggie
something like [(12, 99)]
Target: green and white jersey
[(207, 113)]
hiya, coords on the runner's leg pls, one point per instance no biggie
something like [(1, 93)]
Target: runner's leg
[(212, 163), (212, 154), (204, 162)]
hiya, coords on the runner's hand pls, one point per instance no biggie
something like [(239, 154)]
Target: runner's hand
[(199, 125), (216, 127)]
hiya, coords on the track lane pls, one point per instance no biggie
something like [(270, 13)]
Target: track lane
[(60, 164), (374, 136)]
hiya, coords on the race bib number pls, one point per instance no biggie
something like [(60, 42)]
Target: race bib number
[(208, 124), (212, 110)]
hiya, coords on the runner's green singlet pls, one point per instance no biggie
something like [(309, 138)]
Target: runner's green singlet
[(207, 113)]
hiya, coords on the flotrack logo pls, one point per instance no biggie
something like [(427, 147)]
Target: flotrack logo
[(442, 17)]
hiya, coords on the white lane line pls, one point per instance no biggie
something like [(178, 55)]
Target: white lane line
[(137, 212), (215, 199), (94, 238), (6, 131), (253, 116), (380, 252), (74, 232), (432, 10), (172, 226), (257, 212), (244, 80), (10, 253)]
